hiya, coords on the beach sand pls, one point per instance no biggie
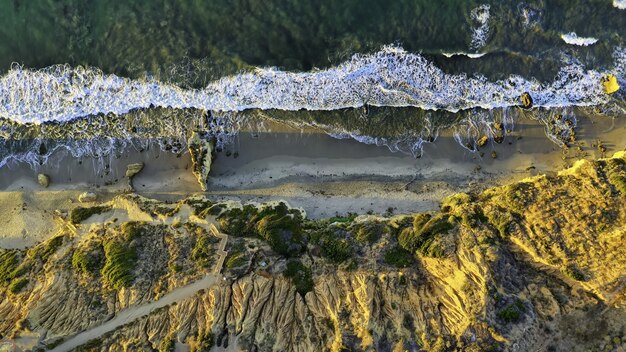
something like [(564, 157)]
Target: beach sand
[(313, 171)]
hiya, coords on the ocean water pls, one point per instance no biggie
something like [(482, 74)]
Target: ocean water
[(386, 73)]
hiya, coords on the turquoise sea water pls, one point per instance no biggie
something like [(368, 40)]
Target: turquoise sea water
[(144, 54)]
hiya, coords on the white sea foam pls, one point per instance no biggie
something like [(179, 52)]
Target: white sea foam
[(573, 39), (390, 77), (620, 4), (470, 55), (480, 15), (530, 15)]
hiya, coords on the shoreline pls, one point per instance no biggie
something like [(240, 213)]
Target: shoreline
[(313, 171)]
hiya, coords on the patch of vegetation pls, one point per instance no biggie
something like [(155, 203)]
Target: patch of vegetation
[(166, 211), (454, 201), (399, 257), (572, 272), (279, 226), (239, 222), (203, 249), (91, 345), (283, 233), (300, 275), (421, 237), (518, 196), (88, 260), (619, 182), (368, 232), (168, 344), (200, 206), (512, 312), (9, 263), (501, 220), (235, 260), (120, 260), (333, 248), (46, 249), (206, 341), (343, 219), (133, 229), (17, 285), (80, 214)]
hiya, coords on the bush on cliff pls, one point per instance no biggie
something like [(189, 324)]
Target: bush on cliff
[(119, 264)]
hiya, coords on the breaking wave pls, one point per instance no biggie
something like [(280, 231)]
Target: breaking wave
[(391, 77), (573, 39), (470, 55), (620, 4)]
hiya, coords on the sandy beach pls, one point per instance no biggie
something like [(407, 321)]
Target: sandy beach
[(308, 169)]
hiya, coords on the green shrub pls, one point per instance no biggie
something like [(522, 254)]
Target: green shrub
[(119, 264), (573, 272), (46, 249), (343, 219), (279, 226), (501, 220), (512, 312), (235, 260), (80, 214), (168, 344), (9, 262), (200, 206), (239, 222), (283, 233), (333, 248), (203, 249), (206, 341), (336, 249), (619, 182), (368, 232), (88, 260), (17, 285), (133, 229), (420, 220), (422, 236), (399, 257), (300, 275)]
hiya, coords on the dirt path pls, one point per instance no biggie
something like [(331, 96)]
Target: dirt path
[(131, 314)]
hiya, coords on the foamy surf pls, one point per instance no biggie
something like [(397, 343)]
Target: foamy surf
[(391, 77), (480, 15), (470, 55), (573, 39), (620, 4)]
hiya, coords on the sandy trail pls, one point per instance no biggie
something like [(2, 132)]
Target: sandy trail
[(134, 313), (131, 314)]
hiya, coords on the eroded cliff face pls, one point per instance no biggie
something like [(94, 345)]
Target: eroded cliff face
[(536, 265)]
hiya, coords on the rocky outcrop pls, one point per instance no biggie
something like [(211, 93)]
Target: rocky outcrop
[(43, 180), (87, 197), (610, 84), (526, 100), (131, 171), (201, 151)]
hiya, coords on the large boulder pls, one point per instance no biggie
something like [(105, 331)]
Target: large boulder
[(87, 197), (526, 100), (131, 171), (43, 180), (201, 151), (610, 84)]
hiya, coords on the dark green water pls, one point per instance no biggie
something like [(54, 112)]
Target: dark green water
[(192, 42)]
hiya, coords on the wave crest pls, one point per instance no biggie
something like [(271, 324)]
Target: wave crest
[(391, 77)]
